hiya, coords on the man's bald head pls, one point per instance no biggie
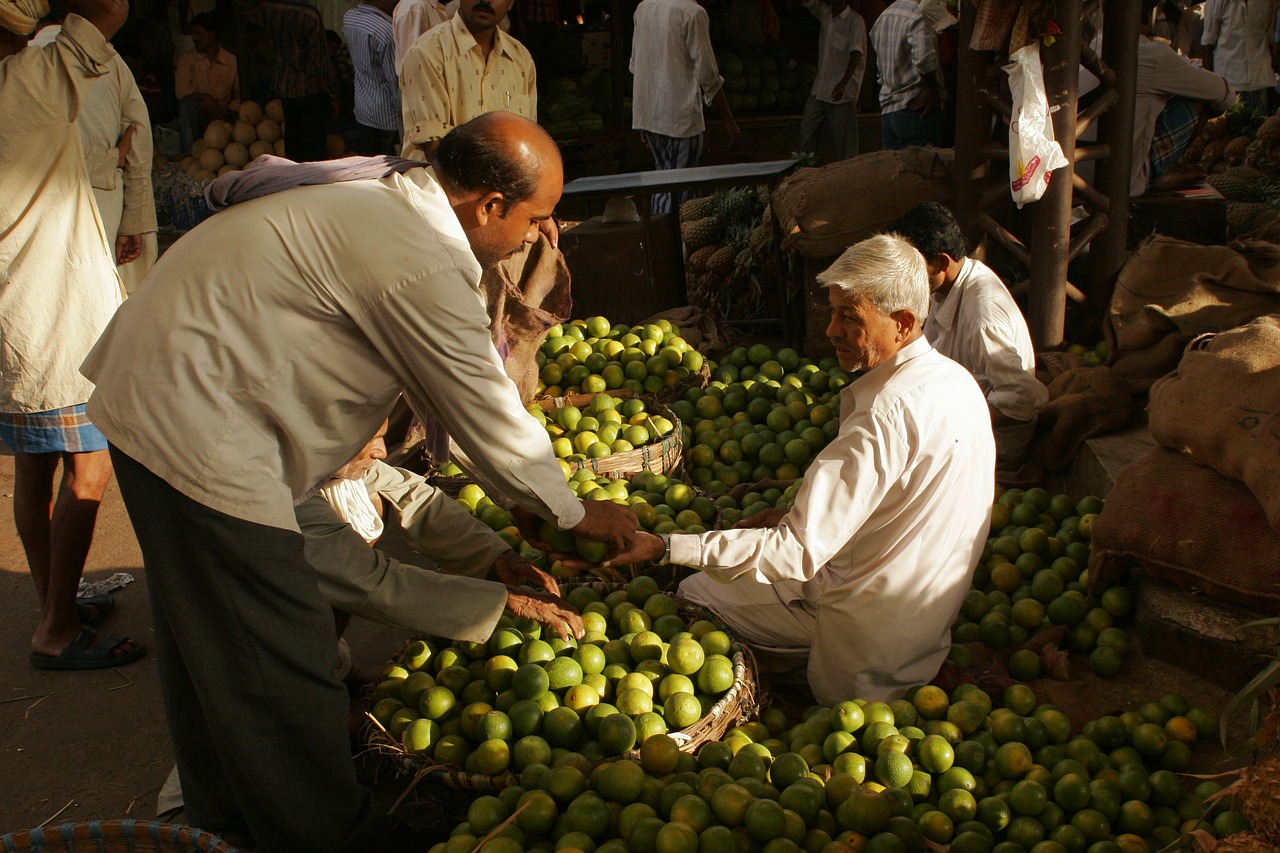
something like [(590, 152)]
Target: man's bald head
[(498, 152), (503, 176)]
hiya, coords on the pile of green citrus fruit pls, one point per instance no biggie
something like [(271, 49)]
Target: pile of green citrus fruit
[(521, 700), (593, 355), (931, 772), (605, 426), (1033, 575), (764, 415)]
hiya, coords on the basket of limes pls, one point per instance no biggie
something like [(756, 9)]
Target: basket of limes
[(611, 434), (115, 836), (477, 715)]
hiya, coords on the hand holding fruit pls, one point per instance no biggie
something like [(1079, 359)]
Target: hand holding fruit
[(548, 609), (514, 571), (609, 523), (644, 546)]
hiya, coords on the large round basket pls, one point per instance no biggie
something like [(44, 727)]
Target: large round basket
[(739, 704), (660, 457), (115, 836)]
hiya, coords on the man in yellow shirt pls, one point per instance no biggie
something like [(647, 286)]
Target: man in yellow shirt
[(460, 70), (205, 81)]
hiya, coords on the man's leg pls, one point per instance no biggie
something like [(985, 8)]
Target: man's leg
[(810, 122), (891, 130), (247, 654), (307, 119), (670, 152), (190, 122), (842, 119), (33, 513), (756, 612)]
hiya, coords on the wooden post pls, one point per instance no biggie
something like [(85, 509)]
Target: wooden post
[(1115, 128), (973, 128), (1051, 221)]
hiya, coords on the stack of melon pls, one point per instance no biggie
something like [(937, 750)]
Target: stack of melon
[(227, 147)]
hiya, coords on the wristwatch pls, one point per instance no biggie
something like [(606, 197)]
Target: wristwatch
[(666, 548)]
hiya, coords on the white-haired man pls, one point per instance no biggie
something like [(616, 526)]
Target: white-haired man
[(865, 574)]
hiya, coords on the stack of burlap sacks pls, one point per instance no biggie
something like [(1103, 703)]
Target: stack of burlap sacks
[(1201, 510)]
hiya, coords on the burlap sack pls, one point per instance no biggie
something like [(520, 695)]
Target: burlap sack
[(1187, 525), (527, 294), (824, 211), (1083, 402), (1222, 407), (1171, 291), (698, 328)]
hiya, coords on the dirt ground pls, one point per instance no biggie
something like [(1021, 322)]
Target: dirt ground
[(94, 745)]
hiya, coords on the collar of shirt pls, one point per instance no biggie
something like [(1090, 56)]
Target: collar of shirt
[(467, 42), (874, 379)]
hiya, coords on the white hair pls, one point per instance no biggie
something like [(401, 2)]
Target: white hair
[(887, 271)]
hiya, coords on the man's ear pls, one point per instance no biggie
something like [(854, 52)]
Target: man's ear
[(491, 204), (905, 321), (938, 263)]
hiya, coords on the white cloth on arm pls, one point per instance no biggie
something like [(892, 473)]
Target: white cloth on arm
[(349, 500), (257, 394), (885, 532)]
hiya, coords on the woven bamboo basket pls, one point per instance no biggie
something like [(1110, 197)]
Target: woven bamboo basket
[(115, 836), (697, 379), (739, 703), (660, 457)]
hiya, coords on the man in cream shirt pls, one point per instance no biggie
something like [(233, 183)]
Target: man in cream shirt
[(278, 362), (863, 577)]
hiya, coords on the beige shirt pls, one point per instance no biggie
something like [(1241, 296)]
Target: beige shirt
[(197, 74), (445, 81), (58, 283), (113, 104), (411, 19), (364, 581), (291, 324)]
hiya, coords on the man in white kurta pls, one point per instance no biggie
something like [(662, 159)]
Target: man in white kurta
[(1237, 40), (974, 321), (58, 289), (279, 361), (411, 19), (869, 568), (842, 59)]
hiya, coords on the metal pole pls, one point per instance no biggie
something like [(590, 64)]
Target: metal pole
[(1115, 128), (1051, 222), (973, 128)]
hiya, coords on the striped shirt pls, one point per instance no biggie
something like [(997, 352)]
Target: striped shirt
[(906, 53), (367, 30)]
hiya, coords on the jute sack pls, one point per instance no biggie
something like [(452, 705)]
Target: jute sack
[(822, 212), (527, 294), (1221, 406), (1187, 525), (1171, 291), (1083, 402)]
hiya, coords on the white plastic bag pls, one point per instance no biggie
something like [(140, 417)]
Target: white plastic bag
[(1033, 152)]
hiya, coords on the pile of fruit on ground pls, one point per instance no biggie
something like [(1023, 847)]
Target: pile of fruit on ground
[(1240, 149), (584, 724)]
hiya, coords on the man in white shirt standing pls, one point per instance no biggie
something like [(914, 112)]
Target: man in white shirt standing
[(1237, 42), (842, 58), (675, 74), (277, 365), (411, 19), (865, 574), (974, 321)]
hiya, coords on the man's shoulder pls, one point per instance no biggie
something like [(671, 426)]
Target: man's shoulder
[(515, 49)]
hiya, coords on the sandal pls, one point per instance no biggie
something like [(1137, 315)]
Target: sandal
[(94, 609), (83, 653)]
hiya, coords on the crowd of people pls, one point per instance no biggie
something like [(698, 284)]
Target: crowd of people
[(247, 436)]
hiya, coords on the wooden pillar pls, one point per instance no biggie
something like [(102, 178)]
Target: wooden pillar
[(973, 128), (1051, 221), (1115, 128)]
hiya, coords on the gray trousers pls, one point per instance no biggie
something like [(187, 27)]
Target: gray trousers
[(841, 121), (246, 656)]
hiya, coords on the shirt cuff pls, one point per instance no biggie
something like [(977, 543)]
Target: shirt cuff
[(686, 550), (570, 514)]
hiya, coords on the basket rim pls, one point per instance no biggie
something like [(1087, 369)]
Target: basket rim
[(125, 829)]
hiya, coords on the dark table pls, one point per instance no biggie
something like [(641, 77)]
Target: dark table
[(642, 186)]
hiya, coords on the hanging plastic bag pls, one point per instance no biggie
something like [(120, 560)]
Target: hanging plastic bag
[(1033, 151)]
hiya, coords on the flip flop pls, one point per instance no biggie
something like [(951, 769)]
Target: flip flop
[(94, 609), (83, 653)]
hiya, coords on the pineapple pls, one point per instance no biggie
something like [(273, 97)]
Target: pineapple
[(722, 262), (1213, 153), (1239, 184), (700, 258), (758, 242), (698, 233), (1240, 842), (1269, 132), (1215, 128), (695, 208), (1241, 213), (1236, 149)]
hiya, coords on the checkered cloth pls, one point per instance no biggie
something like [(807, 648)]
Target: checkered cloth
[(1172, 136), (992, 24), (65, 430)]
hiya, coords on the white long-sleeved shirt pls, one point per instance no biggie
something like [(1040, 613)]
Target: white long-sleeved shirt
[(1240, 33), (291, 323), (886, 530), (674, 67), (839, 37), (369, 583), (978, 325), (411, 19), (58, 282)]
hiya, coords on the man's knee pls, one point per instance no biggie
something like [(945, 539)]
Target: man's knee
[(87, 474)]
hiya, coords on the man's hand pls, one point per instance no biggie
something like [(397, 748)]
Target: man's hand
[(927, 100), (732, 131), (515, 571), (644, 546), (125, 144), (606, 521), (128, 248), (549, 610), (551, 228), (764, 518)]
